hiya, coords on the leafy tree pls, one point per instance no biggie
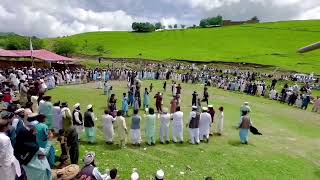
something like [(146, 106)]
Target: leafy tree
[(175, 26), (158, 25), (22, 43), (143, 27), (64, 47), (194, 26), (170, 26), (212, 21), (100, 49), (182, 26), (255, 18)]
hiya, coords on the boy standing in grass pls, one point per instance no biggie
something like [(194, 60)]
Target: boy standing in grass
[(125, 105), (89, 119), (120, 130)]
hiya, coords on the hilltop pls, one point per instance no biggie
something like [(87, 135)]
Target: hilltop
[(272, 44)]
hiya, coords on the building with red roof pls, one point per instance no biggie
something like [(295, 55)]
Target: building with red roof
[(42, 55)]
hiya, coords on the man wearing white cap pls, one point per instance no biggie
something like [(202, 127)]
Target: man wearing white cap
[(177, 125), (89, 119), (159, 175), (204, 125), (245, 108), (134, 176), (90, 171), (194, 125), (77, 119), (164, 128)]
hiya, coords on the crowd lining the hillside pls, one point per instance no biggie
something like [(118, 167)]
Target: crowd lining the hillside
[(29, 121)]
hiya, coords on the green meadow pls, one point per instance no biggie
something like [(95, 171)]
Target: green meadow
[(271, 44), (288, 149)]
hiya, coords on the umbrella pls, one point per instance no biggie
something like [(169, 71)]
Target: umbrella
[(254, 131)]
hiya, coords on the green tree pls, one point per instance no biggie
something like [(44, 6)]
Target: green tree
[(175, 26), (64, 47), (158, 25), (170, 26), (182, 26), (22, 43), (143, 27), (100, 49)]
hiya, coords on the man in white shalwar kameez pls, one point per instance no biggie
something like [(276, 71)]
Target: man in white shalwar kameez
[(9, 165), (77, 119), (177, 126), (204, 125), (108, 120), (164, 128), (194, 125)]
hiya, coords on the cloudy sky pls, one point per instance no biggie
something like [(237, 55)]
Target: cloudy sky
[(51, 18)]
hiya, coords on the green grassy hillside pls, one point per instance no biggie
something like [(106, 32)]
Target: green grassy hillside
[(268, 44)]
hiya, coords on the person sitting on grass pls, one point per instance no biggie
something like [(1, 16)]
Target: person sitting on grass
[(135, 128), (90, 170)]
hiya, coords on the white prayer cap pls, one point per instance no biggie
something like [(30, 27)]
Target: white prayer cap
[(245, 103), (194, 107), (146, 109), (210, 106), (89, 106), (205, 109), (19, 110), (76, 105), (160, 174), (89, 158), (134, 176)]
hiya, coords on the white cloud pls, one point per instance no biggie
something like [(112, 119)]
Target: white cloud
[(57, 18), (50, 18), (207, 4), (313, 13), (168, 21)]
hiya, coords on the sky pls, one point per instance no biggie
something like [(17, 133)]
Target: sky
[(53, 18)]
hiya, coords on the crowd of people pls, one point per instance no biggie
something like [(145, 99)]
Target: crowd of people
[(30, 122)]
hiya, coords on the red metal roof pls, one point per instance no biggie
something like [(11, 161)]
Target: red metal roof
[(39, 54)]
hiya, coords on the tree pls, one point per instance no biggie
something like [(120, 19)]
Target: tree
[(64, 47), (175, 26), (100, 49), (158, 25), (170, 26), (143, 27), (22, 43), (182, 26), (255, 18), (211, 21)]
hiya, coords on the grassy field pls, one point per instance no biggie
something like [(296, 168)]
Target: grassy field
[(288, 149), (272, 44)]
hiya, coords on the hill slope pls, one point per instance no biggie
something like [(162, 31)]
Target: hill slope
[(268, 44)]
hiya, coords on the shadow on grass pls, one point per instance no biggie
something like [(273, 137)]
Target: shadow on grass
[(317, 173), (234, 143)]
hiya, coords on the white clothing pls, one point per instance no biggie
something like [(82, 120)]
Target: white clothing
[(164, 128), (177, 126), (108, 127), (194, 135), (204, 125), (9, 165), (220, 122), (135, 136)]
